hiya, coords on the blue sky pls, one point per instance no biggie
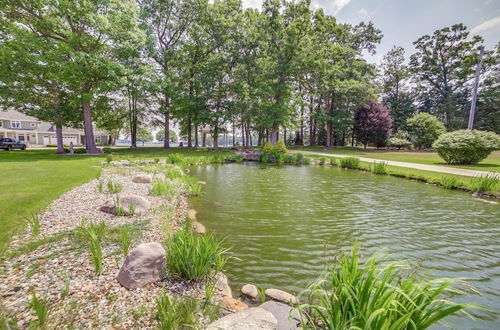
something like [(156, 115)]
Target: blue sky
[(404, 21)]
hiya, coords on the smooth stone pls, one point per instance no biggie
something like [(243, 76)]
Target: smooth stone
[(199, 228), (144, 265), (202, 183), (222, 284), (251, 318), (140, 205), (281, 296), (192, 214), (142, 178), (233, 304), (288, 317), (250, 291)]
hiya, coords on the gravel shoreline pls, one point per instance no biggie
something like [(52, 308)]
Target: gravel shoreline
[(90, 300)]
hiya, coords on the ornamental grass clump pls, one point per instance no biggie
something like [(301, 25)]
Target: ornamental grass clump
[(485, 183), (194, 257), (176, 313), (466, 146), (378, 294), (349, 162), (379, 168), (41, 306)]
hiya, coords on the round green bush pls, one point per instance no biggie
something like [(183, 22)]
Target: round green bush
[(279, 148), (267, 148), (398, 142), (466, 146)]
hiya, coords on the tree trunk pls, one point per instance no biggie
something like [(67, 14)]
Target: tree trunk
[(216, 136), (284, 135), (189, 133), (329, 134), (89, 129), (59, 138), (312, 131), (166, 123), (204, 139), (196, 135)]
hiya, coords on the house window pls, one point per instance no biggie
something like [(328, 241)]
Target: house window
[(15, 124), (20, 137), (33, 124), (1, 123)]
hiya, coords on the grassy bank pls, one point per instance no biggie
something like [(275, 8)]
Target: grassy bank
[(32, 179), (492, 163)]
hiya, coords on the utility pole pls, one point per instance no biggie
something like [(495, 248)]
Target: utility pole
[(474, 90)]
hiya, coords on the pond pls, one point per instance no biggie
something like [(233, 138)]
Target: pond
[(281, 221)]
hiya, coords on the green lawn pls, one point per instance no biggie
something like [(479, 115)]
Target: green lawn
[(32, 179), (492, 163)]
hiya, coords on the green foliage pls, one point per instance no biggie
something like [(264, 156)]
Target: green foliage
[(41, 308), (377, 294), (424, 129), (175, 158), (125, 238), (218, 159), (267, 148), (161, 135), (289, 159), (322, 160), (279, 148), (306, 160), (109, 158), (34, 221), (192, 186), (107, 150), (114, 188), (299, 158), (194, 257), (175, 313), (80, 150), (449, 182), (466, 146), (398, 142), (238, 158), (165, 188), (263, 157), (379, 168), (485, 183), (350, 162), (92, 235)]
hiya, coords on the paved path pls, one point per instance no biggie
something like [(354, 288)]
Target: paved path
[(433, 168)]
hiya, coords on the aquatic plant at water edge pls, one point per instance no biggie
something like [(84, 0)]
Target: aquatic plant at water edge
[(306, 161), (176, 313), (237, 158), (485, 183), (194, 257), (166, 188), (378, 294), (218, 159), (263, 157), (41, 308), (379, 168), (299, 157), (350, 162), (289, 159), (175, 158), (448, 182), (322, 160)]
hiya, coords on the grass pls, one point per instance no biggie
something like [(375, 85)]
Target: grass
[(376, 294), (194, 257), (114, 188), (485, 183), (350, 162), (125, 238), (176, 313), (41, 308), (492, 163), (34, 221)]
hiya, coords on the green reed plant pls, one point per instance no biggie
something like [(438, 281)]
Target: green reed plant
[(175, 158), (114, 188), (92, 235), (306, 160), (333, 162), (279, 158), (288, 159), (350, 162), (377, 294), (379, 168), (166, 188), (99, 186), (485, 183), (194, 257), (322, 160), (177, 313), (237, 158), (449, 182), (34, 222), (109, 158), (263, 157), (218, 159), (41, 306), (262, 294), (125, 238), (174, 173), (299, 157)]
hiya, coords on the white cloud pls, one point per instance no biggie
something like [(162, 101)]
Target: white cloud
[(363, 13), (252, 4), (491, 24)]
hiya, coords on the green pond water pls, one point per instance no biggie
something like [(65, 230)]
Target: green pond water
[(282, 221)]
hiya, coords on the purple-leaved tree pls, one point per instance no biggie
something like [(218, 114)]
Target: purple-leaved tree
[(372, 124)]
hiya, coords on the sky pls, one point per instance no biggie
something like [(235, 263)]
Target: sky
[(404, 21)]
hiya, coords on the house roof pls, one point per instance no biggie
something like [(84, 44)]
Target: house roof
[(10, 114)]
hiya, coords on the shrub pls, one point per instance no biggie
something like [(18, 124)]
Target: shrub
[(218, 159), (279, 148), (238, 159), (306, 160), (279, 158), (299, 157), (80, 150), (194, 257), (109, 158), (466, 146), (322, 160), (267, 148), (349, 162), (263, 157), (424, 129), (398, 142), (372, 124), (288, 159), (376, 294), (106, 150)]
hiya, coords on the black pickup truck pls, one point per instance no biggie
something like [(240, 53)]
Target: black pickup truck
[(10, 144)]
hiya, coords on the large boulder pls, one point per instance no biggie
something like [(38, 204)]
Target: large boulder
[(142, 178), (233, 304), (288, 318), (144, 265), (250, 291), (192, 214), (281, 296), (222, 284), (129, 205), (251, 318), (198, 228)]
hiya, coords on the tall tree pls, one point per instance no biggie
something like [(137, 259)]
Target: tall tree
[(373, 124), (395, 83)]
